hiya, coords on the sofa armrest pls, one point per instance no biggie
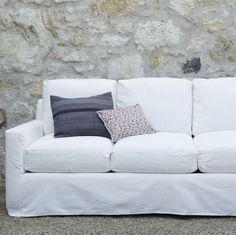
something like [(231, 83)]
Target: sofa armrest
[(17, 140)]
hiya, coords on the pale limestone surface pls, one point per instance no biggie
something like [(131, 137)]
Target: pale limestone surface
[(155, 34), (183, 7), (214, 25), (116, 39), (126, 67)]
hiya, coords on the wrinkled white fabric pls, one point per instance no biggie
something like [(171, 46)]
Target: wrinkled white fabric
[(38, 194), (166, 102), (17, 140), (216, 151), (70, 154), (124, 193), (162, 152), (214, 105)]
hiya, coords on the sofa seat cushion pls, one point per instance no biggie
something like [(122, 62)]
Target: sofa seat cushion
[(216, 151), (161, 152), (72, 154)]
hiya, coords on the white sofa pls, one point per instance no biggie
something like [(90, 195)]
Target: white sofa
[(167, 172)]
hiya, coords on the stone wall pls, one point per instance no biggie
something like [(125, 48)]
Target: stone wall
[(116, 39)]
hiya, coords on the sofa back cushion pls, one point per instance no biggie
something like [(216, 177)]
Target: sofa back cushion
[(214, 105), (166, 102), (72, 88)]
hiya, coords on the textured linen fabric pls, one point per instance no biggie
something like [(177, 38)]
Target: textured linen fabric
[(43, 194), (71, 154), (108, 193), (78, 117), (17, 140), (214, 105), (166, 102), (124, 122), (72, 88), (216, 151), (157, 153)]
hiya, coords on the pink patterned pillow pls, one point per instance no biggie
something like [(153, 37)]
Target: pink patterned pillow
[(124, 122)]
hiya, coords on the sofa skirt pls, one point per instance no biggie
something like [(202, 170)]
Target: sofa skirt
[(43, 194)]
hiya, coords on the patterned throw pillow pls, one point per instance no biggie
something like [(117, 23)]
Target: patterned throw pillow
[(124, 122)]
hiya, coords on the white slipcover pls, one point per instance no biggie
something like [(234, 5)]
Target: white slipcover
[(214, 105), (123, 193), (216, 151), (155, 153), (39, 194), (72, 88), (166, 102), (17, 140), (73, 154)]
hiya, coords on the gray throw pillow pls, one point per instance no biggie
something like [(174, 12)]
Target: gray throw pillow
[(125, 122), (78, 117)]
